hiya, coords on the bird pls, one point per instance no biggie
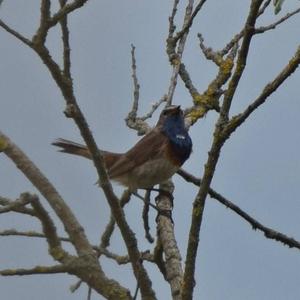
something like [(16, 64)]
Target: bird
[(155, 158)]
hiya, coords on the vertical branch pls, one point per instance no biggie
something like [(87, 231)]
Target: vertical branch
[(175, 56), (66, 43), (213, 156), (42, 31), (249, 31), (136, 86), (197, 214), (171, 269)]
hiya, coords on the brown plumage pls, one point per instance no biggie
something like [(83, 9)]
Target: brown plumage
[(152, 160)]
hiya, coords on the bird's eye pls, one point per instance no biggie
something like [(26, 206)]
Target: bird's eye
[(165, 112)]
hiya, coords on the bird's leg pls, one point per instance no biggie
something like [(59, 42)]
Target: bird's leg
[(163, 193), (147, 204), (160, 211), (146, 217)]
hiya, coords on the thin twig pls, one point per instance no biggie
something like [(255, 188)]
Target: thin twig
[(132, 120), (109, 229), (174, 54), (136, 85), (65, 10), (209, 53), (14, 205), (38, 270), (263, 29), (188, 24), (258, 30), (89, 295), (74, 287), (154, 107), (136, 292), (242, 57), (264, 7), (66, 43), (146, 217), (269, 89), (30, 233), (268, 232), (239, 35), (16, 34), (172, 25)]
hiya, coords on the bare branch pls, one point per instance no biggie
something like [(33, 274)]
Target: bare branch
[(23, 210), (264, 7), (49, 229), (146, 217), (49, 192), (213, 156), (73, 111), (136, 86), (186, 78), (242, 57), (14, 232), (210, 98), (66, 43), (189, 22), (173, 54), (268, 232), (100, 250), (263, 29), (234, 41), (41, 34), (38, 270), (239, 35), (171, 268), (258, 30), (132, 120), (270, 88), (172, 26), (197, 214), (16, 34), (209, 53), (14, 205), (109, 229), (65, 10), (154, 107)]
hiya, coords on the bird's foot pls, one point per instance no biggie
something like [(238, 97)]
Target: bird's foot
[(162, 192)]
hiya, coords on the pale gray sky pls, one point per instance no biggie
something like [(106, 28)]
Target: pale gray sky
[(259, 168)]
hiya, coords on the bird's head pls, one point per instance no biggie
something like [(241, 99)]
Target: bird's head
[(171, 123), (171, 113)]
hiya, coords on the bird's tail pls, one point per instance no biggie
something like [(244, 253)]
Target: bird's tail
[(70, 147)]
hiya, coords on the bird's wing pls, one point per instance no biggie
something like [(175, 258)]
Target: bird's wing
[(148, 148)]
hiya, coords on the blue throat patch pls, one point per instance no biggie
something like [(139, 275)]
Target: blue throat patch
[(175, 130)]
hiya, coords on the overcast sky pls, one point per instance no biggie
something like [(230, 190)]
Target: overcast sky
[(259, 168)]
